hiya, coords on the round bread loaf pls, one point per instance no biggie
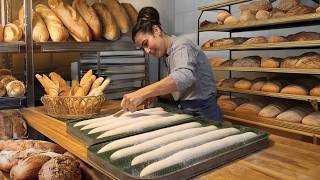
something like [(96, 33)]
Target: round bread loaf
[(294, 89), (249, 61), (247, 16), (110, 28), (315, 91), (263, 15), (286, 5), (243, 84), (222, 15), (15, 88), (276, 39), (304, 36), (252, 108), (312, 119), (256, 40), (272, 62), (289, 62), (231, 20)]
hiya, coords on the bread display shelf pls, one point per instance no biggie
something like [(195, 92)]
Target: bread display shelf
[(270, 94), (272, 70), (296, 128), (311, 18), (11, 47), (283, 45), (223, 4)]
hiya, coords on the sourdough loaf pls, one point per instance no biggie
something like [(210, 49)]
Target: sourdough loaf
[(294, 89), (272, 62), (243, 84), (132, 12), (309, 61), (295, 114), (252, 108), (230, 104), (312, 119), (315, 91), (249, 61), (304, 36), (256, 40), (273, 110)]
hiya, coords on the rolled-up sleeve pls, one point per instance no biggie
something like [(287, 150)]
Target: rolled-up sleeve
[(182, 67)]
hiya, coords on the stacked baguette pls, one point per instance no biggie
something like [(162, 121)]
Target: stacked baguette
[(88, 86)]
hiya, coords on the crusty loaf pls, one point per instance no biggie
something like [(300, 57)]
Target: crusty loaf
[(295, 114), (1, 33), (243, 84), (216, 62), (77, 27), (228, 63), (228, 83), (286, 5), (6, 127), (19, 125), (247, 16), (315, 91), (55, 27), (17, 145), (230, 104), (273, 110), (15, 88), (12, 33), (221, 16), (40, 32), (119, 13), (64, 89), (252, 108), (208, 43), (300, 10), (231, 20), (110, 28), (309, 61), (255, 6), (131, 11), (312, 119), (60, 167), (3, 90), (263, 15), (256, 40), (257, 86), (90, 16), (272, 86), (277, 13), (249, 61), (304, 36), (294, 89), (318, 10), (276, 39), (289, 62), (272, 62)]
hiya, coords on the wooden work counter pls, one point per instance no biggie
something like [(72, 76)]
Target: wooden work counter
[(284, 159)]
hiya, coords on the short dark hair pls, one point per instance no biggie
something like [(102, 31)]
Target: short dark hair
[(148, 17)]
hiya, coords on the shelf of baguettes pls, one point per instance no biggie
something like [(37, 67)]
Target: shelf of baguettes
[(259, 165), (223, 4), (273, 123), (260, 23), (273, 70), (281, 45), (270, 94)]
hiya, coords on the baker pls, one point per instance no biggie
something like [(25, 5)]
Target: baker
[(190, 78)]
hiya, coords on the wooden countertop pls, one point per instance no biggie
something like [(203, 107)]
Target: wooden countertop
[(284, 159)]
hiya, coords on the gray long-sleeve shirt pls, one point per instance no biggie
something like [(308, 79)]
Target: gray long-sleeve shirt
[(188, 66)]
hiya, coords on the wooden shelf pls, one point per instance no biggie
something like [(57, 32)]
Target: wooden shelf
[(296, 128), (223, 4), (283, 45), (311, 18), (13, 47), (272, 70), (270, 94)]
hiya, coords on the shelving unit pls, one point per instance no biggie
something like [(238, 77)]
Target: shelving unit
[(275, 23)]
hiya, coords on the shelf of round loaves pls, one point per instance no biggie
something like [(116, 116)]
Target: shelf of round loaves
[(223, 4), (271, 70), (271, 94)]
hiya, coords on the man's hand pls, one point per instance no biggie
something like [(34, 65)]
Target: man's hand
[(132, 100)]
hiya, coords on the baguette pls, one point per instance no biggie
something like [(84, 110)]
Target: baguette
[(74, 87), (119, 13), (18, 145), (132, 12), (78, 28), (99, 90), (90, 16), (55, 27), (110, 28), (64, 89)]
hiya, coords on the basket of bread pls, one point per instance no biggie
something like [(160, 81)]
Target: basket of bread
[(81, 100)]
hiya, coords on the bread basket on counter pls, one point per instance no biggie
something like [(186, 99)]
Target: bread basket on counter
[(72, 107)]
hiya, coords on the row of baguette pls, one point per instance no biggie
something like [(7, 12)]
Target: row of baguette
[(309, 60), (89, 85), (301, 36), (262, 10), (160, 148), (9, 85), (296, 85), (283, 111), (35, 159), (84, 23)]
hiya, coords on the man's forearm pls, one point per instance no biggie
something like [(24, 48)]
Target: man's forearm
[(165, 86)]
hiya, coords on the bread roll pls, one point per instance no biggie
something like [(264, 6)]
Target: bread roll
[(286, 5), (289, 62), (77, 27), (309, 62), (256, 40), (294, 89), (247, 16), (90, 17), (55, 27), (272, 62), (1, 33), (230, 104), (263, 15), (300, 10), (12, 33), (295, 114), (315, 91), (110, 28), (19, 145), (276, 39), (304, 36), (216, 62), (6, 79), (231, 20), (243, 84), (252, 108), (222, 15), (312, 119), (273, 110), (119, 14), (60, 167), (5, 72), (255, 6), (249, 61), (132, 12), (15, 88)]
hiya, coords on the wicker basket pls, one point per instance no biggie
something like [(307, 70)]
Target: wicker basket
[(71, 107)]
